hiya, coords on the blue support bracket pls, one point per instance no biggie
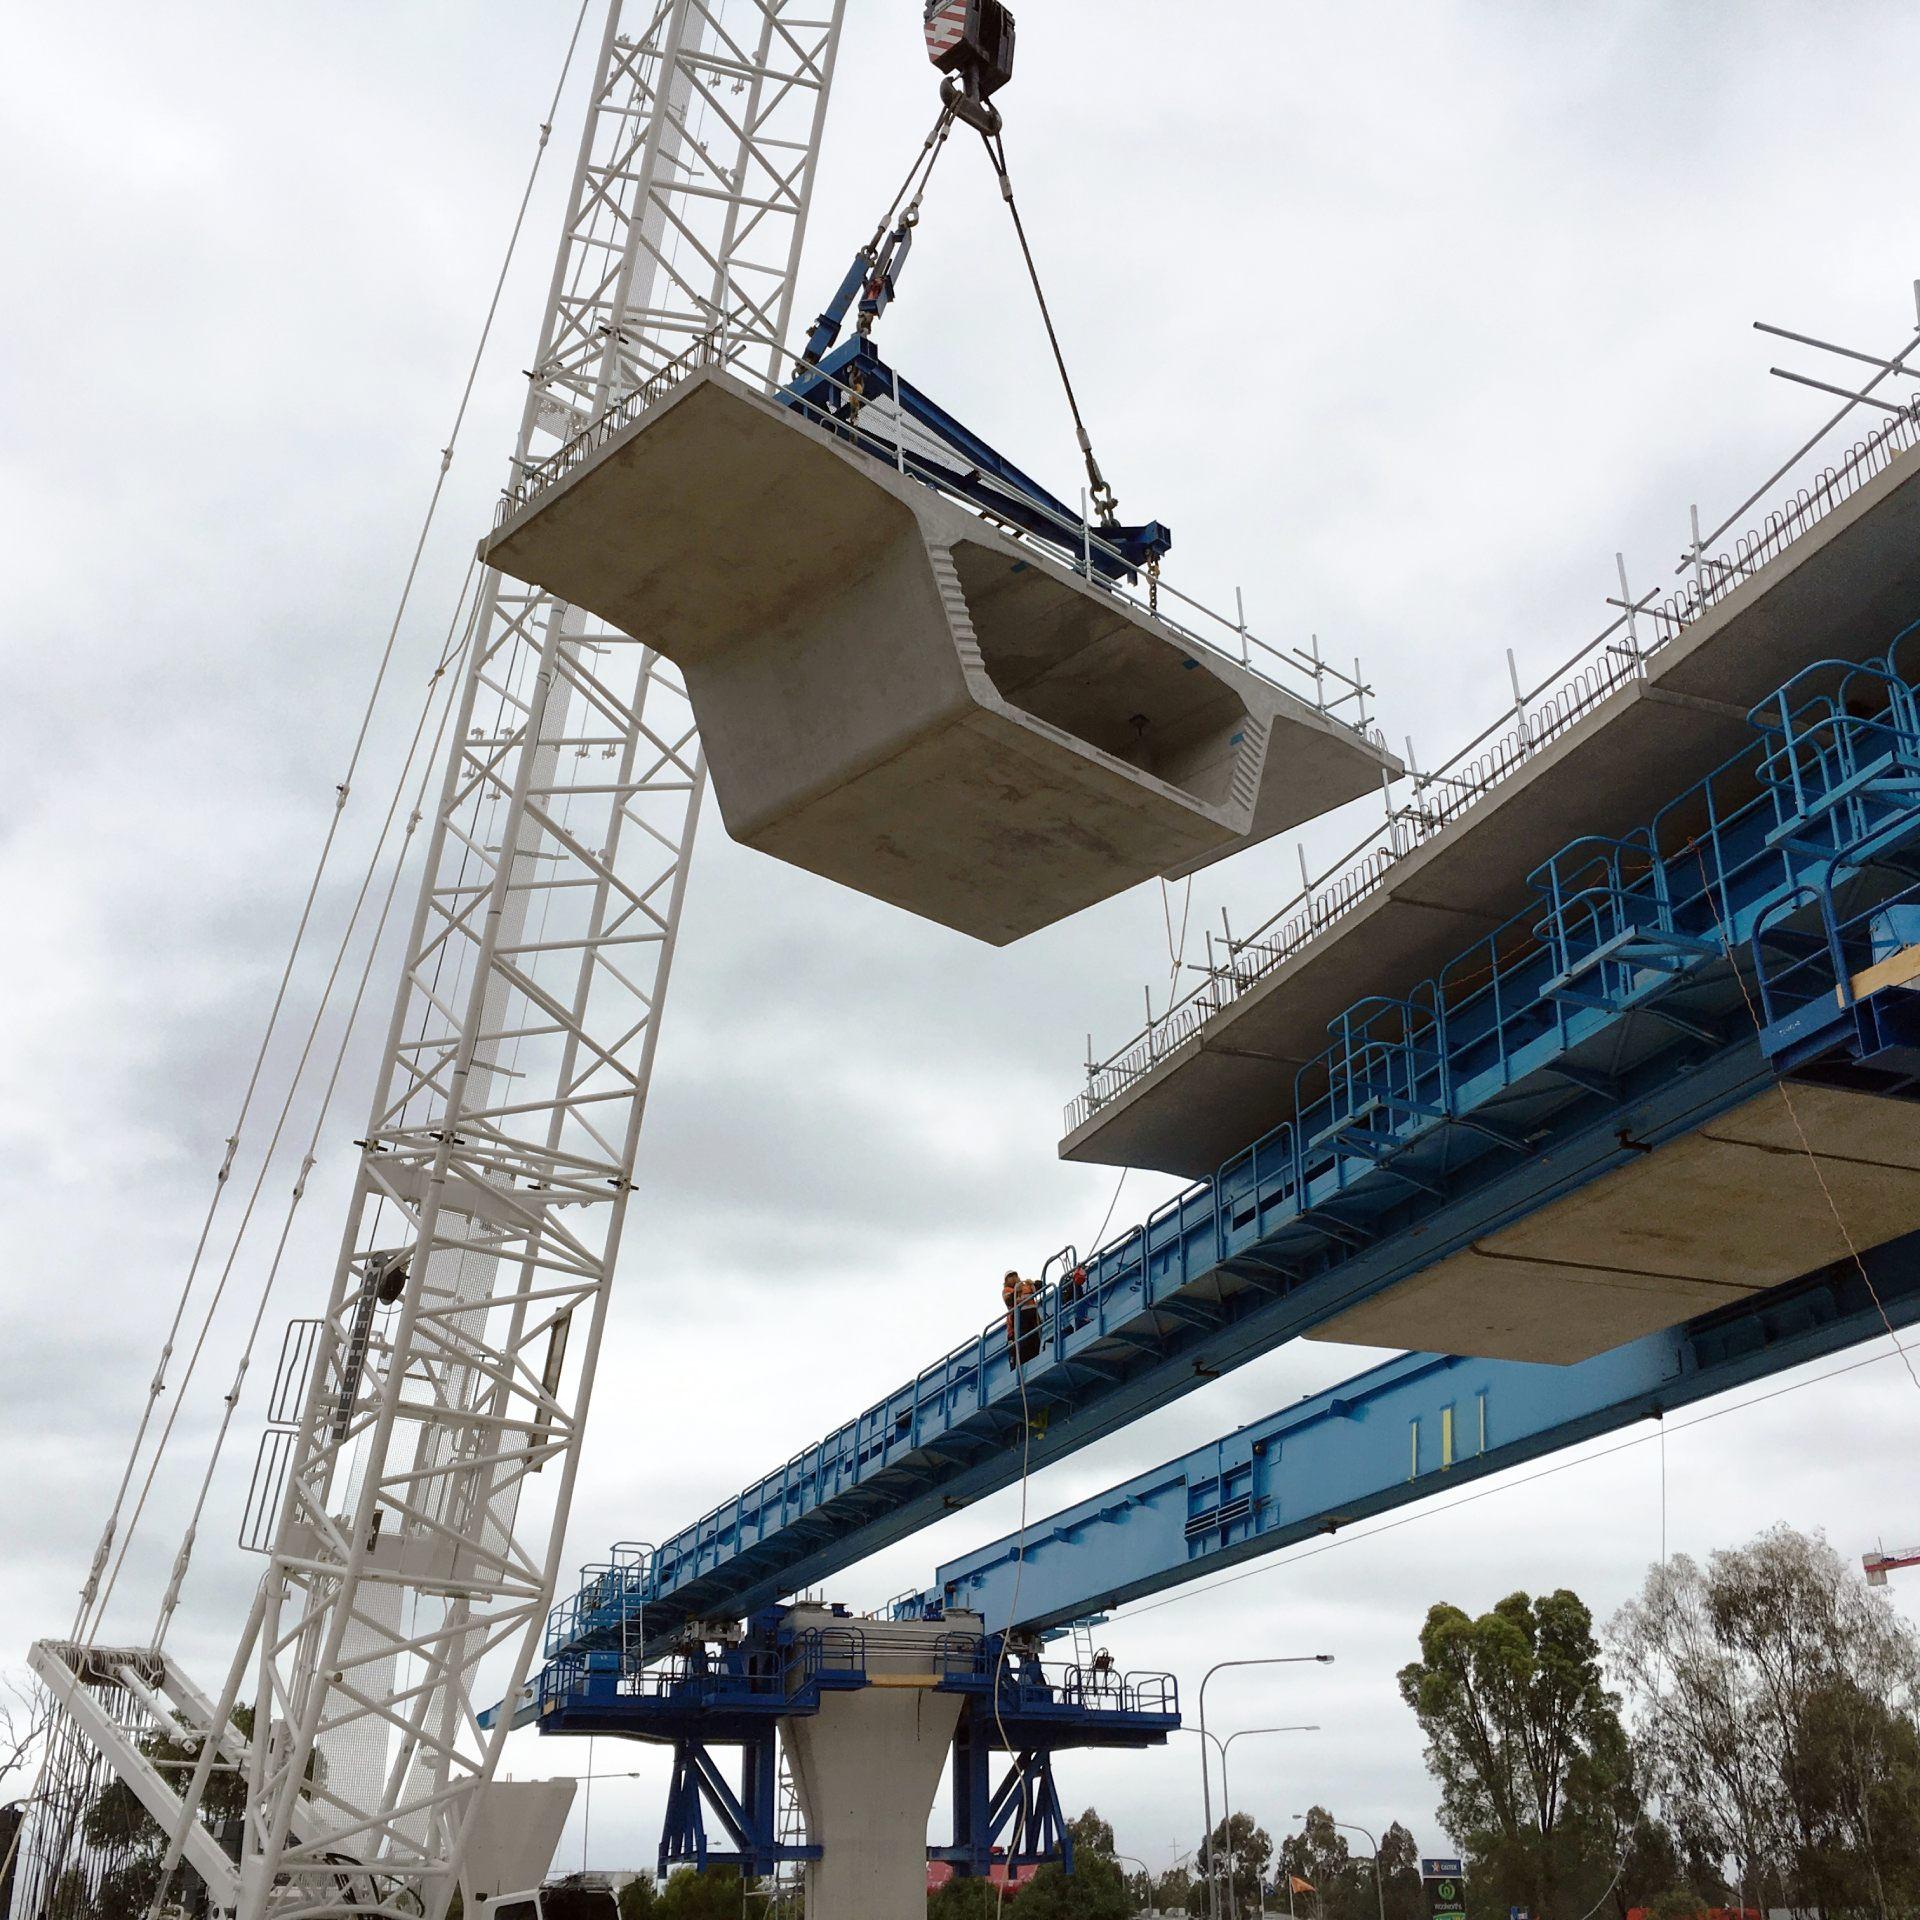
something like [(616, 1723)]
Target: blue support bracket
[(748, 1818), (835, 388)]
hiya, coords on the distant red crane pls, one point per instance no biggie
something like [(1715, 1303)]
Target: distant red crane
[(1879, 1563)]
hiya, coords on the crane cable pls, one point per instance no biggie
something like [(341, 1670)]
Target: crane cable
[(447, 667), (1103, 496), (90, 1589), (306, 1055)]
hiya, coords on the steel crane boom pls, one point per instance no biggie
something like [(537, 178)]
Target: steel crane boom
[(455, 1359)]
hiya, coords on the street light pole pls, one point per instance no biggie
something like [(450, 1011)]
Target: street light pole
[(1206, 1773), (1226, 1797), (1348, 1826), (1146, 1878)]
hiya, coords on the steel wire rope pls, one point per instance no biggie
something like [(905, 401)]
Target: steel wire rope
[(1103, 497), (208, 1316), (348, 1028), (182, 1561), (342, 790)]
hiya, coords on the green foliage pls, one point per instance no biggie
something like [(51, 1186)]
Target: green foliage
[(714, 1895), (1091, 1834), (1096, 1889), (1343, 1885), (1175, 1890), (968, 1899), (1677, 1903), (1777, 1710), (1527, 1746), (638, 1900), (1250, 1847)]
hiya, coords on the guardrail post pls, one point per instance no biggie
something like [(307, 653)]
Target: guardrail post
[(1519, 703)]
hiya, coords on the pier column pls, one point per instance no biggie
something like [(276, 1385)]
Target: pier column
[(867, 1765)]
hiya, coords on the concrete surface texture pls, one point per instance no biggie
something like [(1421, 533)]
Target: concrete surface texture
[(1842, 590), (866, 1768), (895, 695), (1749, 1201)]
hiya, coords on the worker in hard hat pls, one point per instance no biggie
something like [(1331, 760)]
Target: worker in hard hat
[(1021, 1297)]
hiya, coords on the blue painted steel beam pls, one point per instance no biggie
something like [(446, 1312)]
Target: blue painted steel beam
[(1604, 1020), (1397, 1434)]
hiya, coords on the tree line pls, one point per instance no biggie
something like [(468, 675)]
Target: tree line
[(1743, 1734)]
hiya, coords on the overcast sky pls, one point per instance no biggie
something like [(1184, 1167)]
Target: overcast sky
[(1406, 317)]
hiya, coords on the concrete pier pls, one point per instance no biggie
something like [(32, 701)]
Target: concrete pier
[(894, 694), (867, 1765)]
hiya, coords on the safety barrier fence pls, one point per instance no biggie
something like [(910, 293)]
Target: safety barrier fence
[(1614, 658), (1809, 808), (893, 439)]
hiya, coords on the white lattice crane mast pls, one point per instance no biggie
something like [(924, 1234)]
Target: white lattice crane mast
[(456, 1356)]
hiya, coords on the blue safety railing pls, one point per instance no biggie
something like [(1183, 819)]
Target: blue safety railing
[(1794, 836)]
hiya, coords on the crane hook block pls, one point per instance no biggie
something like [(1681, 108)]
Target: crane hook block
[(971, 42)]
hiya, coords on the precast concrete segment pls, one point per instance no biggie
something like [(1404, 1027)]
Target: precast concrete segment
[(867, 1765), (895, 695), (1841, 590), (1711, 1218)]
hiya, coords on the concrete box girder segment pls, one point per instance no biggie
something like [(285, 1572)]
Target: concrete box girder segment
[(894, 694), (1842, 590)]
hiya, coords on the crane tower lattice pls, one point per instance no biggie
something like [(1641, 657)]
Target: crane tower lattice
[(456, 1355)]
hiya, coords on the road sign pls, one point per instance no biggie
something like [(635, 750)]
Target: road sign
[(1446, 1889)]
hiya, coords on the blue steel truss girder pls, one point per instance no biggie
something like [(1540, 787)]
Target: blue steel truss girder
[(1400, 1433), (1360, 1190)]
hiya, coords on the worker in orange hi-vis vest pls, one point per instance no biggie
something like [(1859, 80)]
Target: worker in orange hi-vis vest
[(1021, 1298)]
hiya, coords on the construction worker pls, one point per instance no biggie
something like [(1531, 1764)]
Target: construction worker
[(1021, 1298)]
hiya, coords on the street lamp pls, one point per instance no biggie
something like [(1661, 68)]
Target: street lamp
[(1226, 1797), (1206, 1776), (1220, 1747), (1346, 1826), (1146, 1878)]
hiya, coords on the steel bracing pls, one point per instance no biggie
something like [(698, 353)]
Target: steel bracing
[(455, 1359), (1410, 1430)]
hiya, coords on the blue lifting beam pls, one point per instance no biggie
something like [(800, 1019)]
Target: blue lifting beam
[(840, 389), (1399, 1433), (1614, 1015)]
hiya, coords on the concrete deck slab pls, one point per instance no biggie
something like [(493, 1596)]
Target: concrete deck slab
[(893, 694), (1842, 589), (1703, 1221)]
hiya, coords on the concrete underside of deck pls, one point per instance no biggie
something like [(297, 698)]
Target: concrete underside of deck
[(1750, 1201)]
